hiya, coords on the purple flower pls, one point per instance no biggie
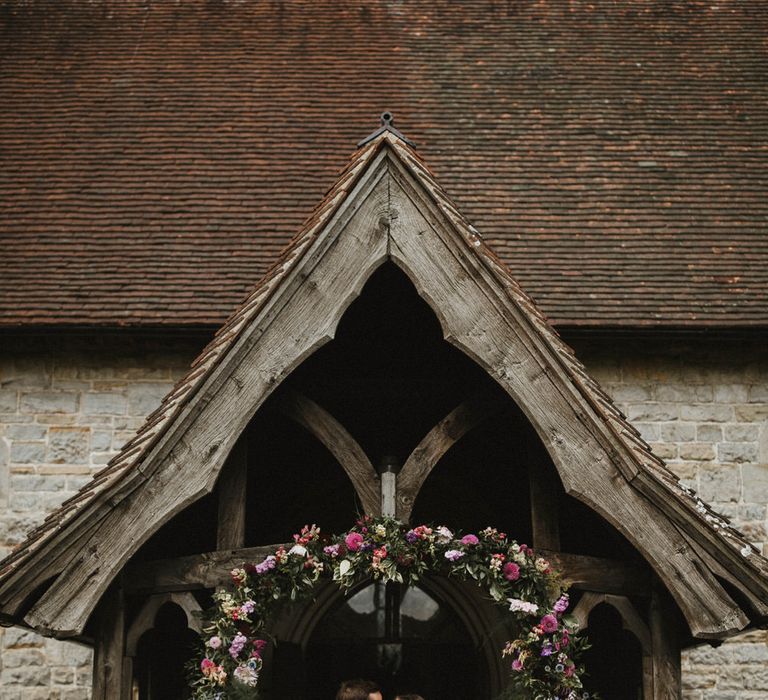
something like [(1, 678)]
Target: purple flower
[(546, 650), (561, 605), (332, 550), (237, 645), (267, 565), (549, 623), (247, 607), (411, 536), (453, 555), (469, 540)]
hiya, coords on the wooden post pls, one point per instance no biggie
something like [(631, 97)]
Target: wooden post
[(230, 533), (665, 639), (109, 648), (544, 503)]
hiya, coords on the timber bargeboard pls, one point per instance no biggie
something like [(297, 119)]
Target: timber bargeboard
[(386, 207)]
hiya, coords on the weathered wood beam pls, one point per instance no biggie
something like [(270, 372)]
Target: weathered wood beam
[(207, 570), (340, 444), (232, 485), (435, 444), (108, 657), (212, 569), (542, 488), (665, 641)]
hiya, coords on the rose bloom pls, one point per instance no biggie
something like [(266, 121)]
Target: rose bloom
[(549, 623), (354, 540), (469, 539), (511, 571)]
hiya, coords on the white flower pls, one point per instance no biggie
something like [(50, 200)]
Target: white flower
[(517, 605), (298, 550), (444, 535), (247, 675)]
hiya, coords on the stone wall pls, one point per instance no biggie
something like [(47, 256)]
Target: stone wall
[(702, 404), (67, 404)]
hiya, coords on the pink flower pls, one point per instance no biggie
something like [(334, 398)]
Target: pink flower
[(469, 540), (354, 541), (549, 623), (206, 665), (214, 642), (511, 571), (258, 647), (517, 665)]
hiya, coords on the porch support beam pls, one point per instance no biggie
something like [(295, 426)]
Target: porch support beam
[(233, 482), (109, 648), (665, 645), (212, 569)]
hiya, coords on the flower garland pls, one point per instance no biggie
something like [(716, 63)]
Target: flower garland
[(543, 657)]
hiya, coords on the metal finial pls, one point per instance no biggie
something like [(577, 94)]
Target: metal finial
[(387, 124)]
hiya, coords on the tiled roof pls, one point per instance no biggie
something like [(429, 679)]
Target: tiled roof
[(153, 156), (645, 471)]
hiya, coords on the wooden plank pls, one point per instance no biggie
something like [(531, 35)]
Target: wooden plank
[(478, 318), (207, 570), (109, 647), (435, 444), (544, 497), (212, 569), (665, 639), (340, 444), (601, 575), (232, 485), (311, 302)]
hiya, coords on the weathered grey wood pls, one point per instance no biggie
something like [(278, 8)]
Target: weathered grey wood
[(601, 575), (302, 315), (476, 316), (435, 444), (543, 493), (340, 444), (667, 674), (208, 570), (232, 485), (109, 647), (212, 569)]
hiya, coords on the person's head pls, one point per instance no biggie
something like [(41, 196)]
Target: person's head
[(359, 690)]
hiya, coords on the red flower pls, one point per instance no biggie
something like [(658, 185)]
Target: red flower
[(511, 571)]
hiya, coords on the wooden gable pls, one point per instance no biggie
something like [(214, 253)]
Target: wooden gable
[(385, 207)]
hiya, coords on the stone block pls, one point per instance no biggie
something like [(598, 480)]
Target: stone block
[(694, 393), (731, 393), (755, 483), (9, 401), (75, 693), (653, 412), (750, 413), (649, 431), (33, 482), (48, 402), (630, 393), (13, 658), (721, 483), (696, 451), (27, 452), (26, 676), (737, 452), (18, 637), (105, 403), (758, 393), (664, 450), (145, 397), (678, 432), (709, 432), (22, 502), (713, 413), (68, 445), (101, 440), (740, 432), (26, 431), (62, 675)]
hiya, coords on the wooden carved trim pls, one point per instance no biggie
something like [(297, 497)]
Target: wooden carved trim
[(145, 620), (435, 444), (340, 444)]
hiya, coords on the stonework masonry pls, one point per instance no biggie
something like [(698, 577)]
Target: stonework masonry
[(67, 404)]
